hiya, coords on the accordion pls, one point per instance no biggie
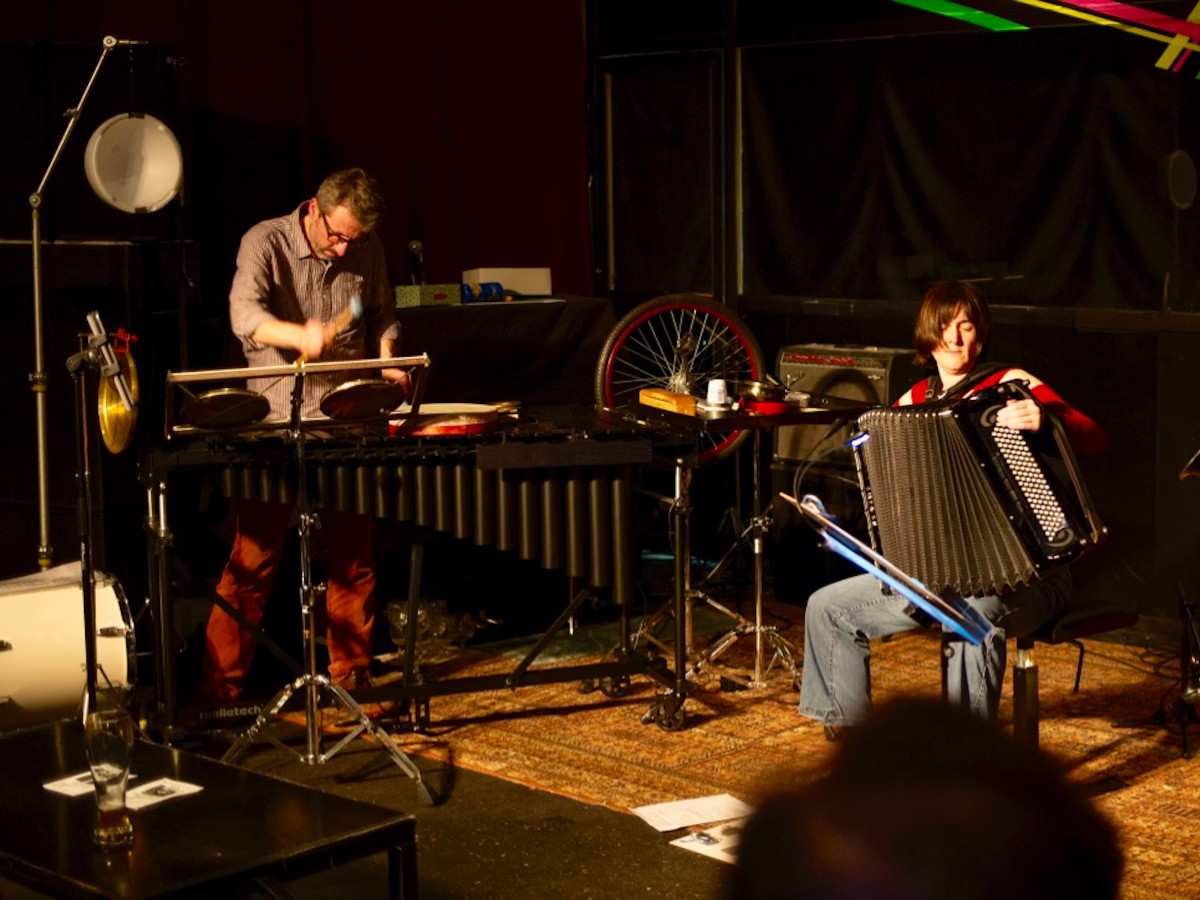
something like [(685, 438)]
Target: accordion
[(963, 504)]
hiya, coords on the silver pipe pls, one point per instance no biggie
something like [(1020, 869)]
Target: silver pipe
[(37, 379)]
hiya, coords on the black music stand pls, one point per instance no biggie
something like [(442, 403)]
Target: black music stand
[(950, 610), (312, 683)]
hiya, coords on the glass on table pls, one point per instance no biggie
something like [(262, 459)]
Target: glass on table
[(108, 742)]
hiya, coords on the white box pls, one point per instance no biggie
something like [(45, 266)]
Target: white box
[(526, 282)]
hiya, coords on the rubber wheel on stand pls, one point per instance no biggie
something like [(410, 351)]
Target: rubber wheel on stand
[(679, 342)]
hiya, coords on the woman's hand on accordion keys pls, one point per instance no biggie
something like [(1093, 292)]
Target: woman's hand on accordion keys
[(1020, 415)]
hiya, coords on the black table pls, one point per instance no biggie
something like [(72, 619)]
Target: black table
[(241, 826)]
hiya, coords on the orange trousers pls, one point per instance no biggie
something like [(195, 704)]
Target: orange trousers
[(250, 574)]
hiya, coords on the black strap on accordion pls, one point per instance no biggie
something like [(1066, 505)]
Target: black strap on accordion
[(977, 376)]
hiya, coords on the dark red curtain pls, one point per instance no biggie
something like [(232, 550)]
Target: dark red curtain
[(470, 112)]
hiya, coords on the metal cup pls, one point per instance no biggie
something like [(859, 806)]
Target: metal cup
[(108, 742)]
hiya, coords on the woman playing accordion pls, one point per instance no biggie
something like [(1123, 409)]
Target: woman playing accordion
[(842, 618)]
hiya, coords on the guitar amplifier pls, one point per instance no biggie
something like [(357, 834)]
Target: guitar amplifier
[(875, 375)]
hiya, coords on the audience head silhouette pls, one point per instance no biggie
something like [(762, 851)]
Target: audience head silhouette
[(926, 801)]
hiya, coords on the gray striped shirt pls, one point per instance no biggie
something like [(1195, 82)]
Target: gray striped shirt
[(279, 278)]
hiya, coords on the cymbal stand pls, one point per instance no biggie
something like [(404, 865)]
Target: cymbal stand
[(668, 710), (310, 682), (1183, 710), (784, 652), (685, 596)]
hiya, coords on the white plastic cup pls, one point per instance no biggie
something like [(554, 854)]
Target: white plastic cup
[(717, 393)]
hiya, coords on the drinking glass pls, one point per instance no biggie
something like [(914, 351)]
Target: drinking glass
[(108, 742)]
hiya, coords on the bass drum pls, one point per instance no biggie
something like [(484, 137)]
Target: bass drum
[(43, 672)]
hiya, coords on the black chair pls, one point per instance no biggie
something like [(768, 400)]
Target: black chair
[(1068, 627)]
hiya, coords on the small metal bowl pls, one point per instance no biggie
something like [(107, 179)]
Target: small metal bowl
[(761, 391)]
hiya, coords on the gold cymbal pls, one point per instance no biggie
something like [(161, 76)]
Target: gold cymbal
[(117, 423)]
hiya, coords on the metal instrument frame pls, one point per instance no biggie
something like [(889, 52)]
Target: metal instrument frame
[(177, 380), (621, 446)]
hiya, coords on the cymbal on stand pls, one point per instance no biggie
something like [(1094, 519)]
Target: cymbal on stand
[(1192, 469), (362, 398), (116, 422), (225, 408)]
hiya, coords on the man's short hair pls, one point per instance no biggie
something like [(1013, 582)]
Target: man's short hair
[(357, 190)]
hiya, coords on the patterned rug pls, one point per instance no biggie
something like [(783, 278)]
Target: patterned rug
[(747, 742)]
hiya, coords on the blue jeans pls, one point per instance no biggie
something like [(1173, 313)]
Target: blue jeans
[(842, 618)]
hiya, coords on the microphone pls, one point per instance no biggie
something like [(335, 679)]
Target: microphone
[(416, 261), (352, 313)]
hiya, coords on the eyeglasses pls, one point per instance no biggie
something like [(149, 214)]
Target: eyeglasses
[(338, 238)]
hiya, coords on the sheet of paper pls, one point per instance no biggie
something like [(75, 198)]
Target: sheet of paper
[(157, 791), (75, 785), (697, 811), (720, 842)]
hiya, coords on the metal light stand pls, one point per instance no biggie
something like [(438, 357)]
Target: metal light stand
[(37, 378), (312, 683)]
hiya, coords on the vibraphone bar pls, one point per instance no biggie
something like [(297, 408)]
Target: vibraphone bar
[(556, 504), (561, 501)]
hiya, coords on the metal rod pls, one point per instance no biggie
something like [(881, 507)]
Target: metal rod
[(37, 378)]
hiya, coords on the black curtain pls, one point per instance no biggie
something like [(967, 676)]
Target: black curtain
[(1033, 161)]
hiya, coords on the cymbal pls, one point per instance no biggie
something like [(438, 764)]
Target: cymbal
[(1192, 469), (225, 408), (117, 423), (362, 398)]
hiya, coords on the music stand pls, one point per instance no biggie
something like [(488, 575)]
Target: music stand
[(950, 610)]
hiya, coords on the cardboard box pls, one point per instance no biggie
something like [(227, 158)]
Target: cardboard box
[(428, 294), (527, 282)]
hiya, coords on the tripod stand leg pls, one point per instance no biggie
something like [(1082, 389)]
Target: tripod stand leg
[(783, 652), (364, 723), (269, 710)]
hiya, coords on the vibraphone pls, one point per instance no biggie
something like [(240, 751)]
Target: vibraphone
[(554, 502), (561, 500)]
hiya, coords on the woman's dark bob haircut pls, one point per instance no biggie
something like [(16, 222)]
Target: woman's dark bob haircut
[(938, 308)]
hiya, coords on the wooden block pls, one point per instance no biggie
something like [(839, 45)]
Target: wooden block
[(668, 400)]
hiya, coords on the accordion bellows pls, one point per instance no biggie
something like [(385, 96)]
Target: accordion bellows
[(961, 503)]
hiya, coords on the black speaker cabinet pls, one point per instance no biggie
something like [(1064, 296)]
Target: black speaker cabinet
[(875, 375)]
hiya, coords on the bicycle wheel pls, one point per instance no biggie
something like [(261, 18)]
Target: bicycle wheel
[(679, 342)]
